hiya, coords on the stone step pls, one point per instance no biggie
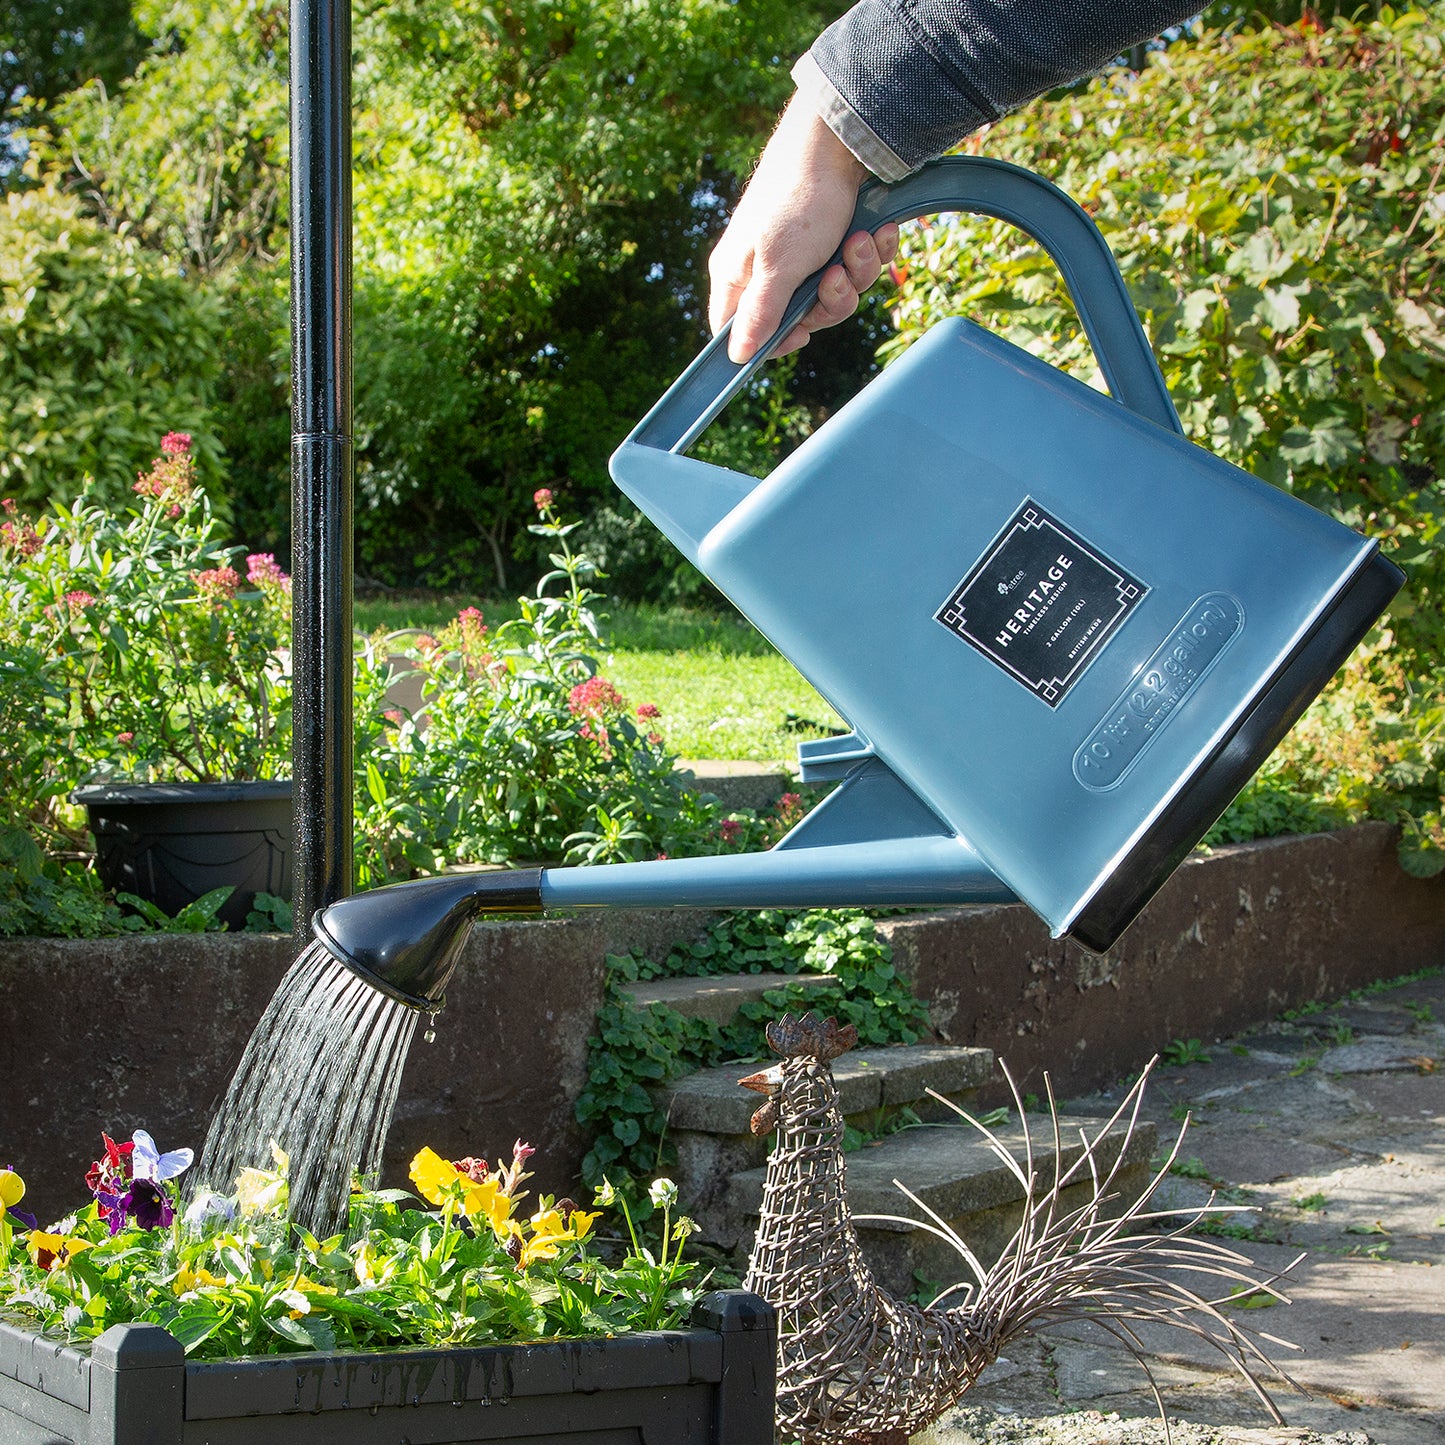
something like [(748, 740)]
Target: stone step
[(952, 1169), (719, 996), (708, 1114), (737, 785)]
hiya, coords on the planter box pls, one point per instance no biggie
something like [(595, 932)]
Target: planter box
[(170, 843), (709, 1385)]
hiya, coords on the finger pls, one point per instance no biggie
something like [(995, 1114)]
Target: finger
[(759, 312), (727, 284), (837, 299), (861, 260), (885, 238)]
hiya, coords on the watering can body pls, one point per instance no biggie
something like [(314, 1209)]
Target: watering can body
[(1063, 636)]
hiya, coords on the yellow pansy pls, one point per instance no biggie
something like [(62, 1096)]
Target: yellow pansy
[(12, 1188), (53, 1251), (188, 1279), (443, 1184)]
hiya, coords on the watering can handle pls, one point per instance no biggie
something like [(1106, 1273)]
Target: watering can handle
[(957, 183)]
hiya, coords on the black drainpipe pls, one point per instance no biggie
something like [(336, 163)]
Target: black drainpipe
[(321, 456)]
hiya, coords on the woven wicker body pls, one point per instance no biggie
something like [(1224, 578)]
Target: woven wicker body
[(856, 1365)]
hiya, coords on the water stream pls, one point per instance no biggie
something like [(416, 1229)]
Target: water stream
[(320, 1077)]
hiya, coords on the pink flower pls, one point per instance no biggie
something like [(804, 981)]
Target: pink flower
[(78, 601), (790, 807), (19, 535), (648, 709), (594, 699), (176, 443), (217, 584), (125, 739), (542, 498), (262, 571), (474, 1169), (393, 715), (654, 738), (470, 617), (729, 828)]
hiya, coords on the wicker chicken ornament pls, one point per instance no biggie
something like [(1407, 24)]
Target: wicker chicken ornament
[(856, 1365)]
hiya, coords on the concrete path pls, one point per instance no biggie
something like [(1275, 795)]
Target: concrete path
[(1330, 1129)]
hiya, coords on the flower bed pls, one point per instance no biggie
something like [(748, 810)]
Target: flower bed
[(704, 1385), (147, 1323)]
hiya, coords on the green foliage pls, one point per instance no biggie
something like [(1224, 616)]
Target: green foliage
[(188, 154), (50, 48), (534, 191), (1184, 1051), (1274, 200), (47, 897), (528, 752), (635, 1050), (242, 1279), (168, 664), (104, 345)]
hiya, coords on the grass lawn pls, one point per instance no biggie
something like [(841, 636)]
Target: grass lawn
[(723, 690)]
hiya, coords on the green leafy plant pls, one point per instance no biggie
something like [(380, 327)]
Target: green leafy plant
[(103, 345), (232, 1275), (1179, 1052), (528, 752), (1311, 1203), (170, 665), (634, 1050)]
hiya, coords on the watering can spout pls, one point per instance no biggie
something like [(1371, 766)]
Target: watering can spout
[(871, 843)]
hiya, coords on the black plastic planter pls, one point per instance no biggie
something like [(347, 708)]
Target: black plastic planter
[(708, 1385), (169, 843)]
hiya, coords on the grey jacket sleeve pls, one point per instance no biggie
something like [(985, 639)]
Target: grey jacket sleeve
[(899, 81)]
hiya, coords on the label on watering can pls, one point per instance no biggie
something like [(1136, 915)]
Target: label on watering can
[(1041, 602), (1158, 689)]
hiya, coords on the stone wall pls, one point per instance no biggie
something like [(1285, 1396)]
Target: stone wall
[(145, 1030)]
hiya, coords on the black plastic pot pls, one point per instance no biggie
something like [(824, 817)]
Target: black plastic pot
[(708, 1385), (170, 843)]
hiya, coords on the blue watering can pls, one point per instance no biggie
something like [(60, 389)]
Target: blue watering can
[(1063, 636)]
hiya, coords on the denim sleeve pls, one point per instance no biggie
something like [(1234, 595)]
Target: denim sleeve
[(902, 80)]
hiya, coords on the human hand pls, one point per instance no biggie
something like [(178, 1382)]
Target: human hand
[(793, 214)]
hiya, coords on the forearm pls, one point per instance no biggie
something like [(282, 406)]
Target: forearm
[(900, 81)]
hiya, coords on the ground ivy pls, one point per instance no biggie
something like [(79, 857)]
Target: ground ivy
[(635, 1050)]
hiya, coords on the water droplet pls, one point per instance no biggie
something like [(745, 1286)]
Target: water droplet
[(429, 1037)]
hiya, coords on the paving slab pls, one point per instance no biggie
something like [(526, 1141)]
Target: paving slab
[(1329, 1128)]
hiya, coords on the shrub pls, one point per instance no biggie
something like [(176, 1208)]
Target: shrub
[(1274, 201), (104, 345), (160, 660), (528, 752)]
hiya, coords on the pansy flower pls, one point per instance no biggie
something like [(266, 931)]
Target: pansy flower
[(109, 1180), (54, 1251)]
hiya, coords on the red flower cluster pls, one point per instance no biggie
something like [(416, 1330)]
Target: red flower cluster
[(648, 709), (21, 535), (595, 699), (542, 498), (172, 476), (217, 585)]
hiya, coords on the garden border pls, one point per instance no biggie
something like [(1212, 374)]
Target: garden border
[(144, 1030), (711, 1384)]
